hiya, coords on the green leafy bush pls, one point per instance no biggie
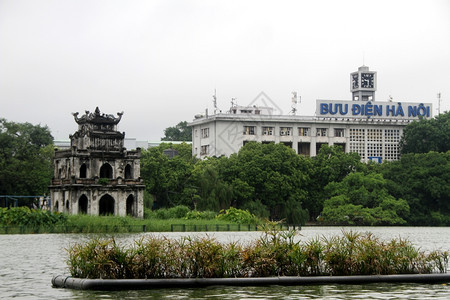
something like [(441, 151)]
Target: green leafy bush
[(24, 216), (148, 213), (200, 215), (238, 216), (103, 181), (257, 208), (176, 212)]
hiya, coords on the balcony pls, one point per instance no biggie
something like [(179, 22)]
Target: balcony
[(96, 181)]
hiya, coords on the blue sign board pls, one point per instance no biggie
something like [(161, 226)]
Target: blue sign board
[(373, 109)]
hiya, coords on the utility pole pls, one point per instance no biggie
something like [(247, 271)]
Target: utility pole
[(439, 103)]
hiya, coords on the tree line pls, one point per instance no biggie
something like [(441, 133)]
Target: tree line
[(270, 180)]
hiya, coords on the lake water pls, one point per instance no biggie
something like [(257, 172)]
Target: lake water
[(28, 263)]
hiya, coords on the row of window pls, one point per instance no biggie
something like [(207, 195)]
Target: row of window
[(356, 134), (391, 151), (288, 131), (106, 171), (284, 131), (106, 205)]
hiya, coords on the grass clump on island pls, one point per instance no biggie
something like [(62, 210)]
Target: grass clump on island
[(275, 253), (26, 220)]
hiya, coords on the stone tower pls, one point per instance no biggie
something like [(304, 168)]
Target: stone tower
[(97, 175)]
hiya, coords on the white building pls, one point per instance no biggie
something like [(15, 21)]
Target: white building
[(371, 128)]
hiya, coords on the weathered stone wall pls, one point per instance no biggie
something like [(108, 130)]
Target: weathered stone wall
[(97, 144), (66, 200)]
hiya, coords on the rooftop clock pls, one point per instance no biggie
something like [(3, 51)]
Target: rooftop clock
[(355, 81), (367, 80)]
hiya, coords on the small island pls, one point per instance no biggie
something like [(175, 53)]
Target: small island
[(275, 258)]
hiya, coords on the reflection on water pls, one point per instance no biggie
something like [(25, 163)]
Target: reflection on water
[(370, 291), (28, 262)]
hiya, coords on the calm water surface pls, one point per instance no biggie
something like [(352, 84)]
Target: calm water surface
[(28, 262)]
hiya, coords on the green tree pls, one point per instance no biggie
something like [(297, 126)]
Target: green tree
[(331, 164), (272, 175), (363, 199), (26, 154), (427, 135), (168, 179), (180, 132), (215, 194), (422, 179)]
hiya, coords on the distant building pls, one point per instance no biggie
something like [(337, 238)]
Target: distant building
[(96, 175), (370, 128)]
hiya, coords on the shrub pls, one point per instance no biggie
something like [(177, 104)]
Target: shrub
[(148, 213), (103, 181), (238, 216), (200, 215), (176, 212), (257, 208), (24, 216)]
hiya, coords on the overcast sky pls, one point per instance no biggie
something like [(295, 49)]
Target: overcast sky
[(160, 61)]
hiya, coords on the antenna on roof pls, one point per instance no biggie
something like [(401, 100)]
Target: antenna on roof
[(215, 101), (233, 102), (295, 100), (439, 103)]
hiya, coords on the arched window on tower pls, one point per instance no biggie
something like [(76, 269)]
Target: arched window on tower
[(83, 171), (106, 171), (130, 205), (128, 174), (83, 204), (106, 205)]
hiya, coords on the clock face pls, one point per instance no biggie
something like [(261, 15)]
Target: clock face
[(367, 80), (355, 83)]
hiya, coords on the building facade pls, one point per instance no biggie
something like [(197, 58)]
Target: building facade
[(372, 129), (97, 175)]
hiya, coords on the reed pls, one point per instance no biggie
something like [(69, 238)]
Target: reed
[(276, 253)]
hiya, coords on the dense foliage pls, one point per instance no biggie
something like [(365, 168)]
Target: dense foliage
[(271, 181), (26, 153), (423, 180), (274, 254), (331, 164), (361, 199), (427, 135), (23, 216), (180, 132)]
